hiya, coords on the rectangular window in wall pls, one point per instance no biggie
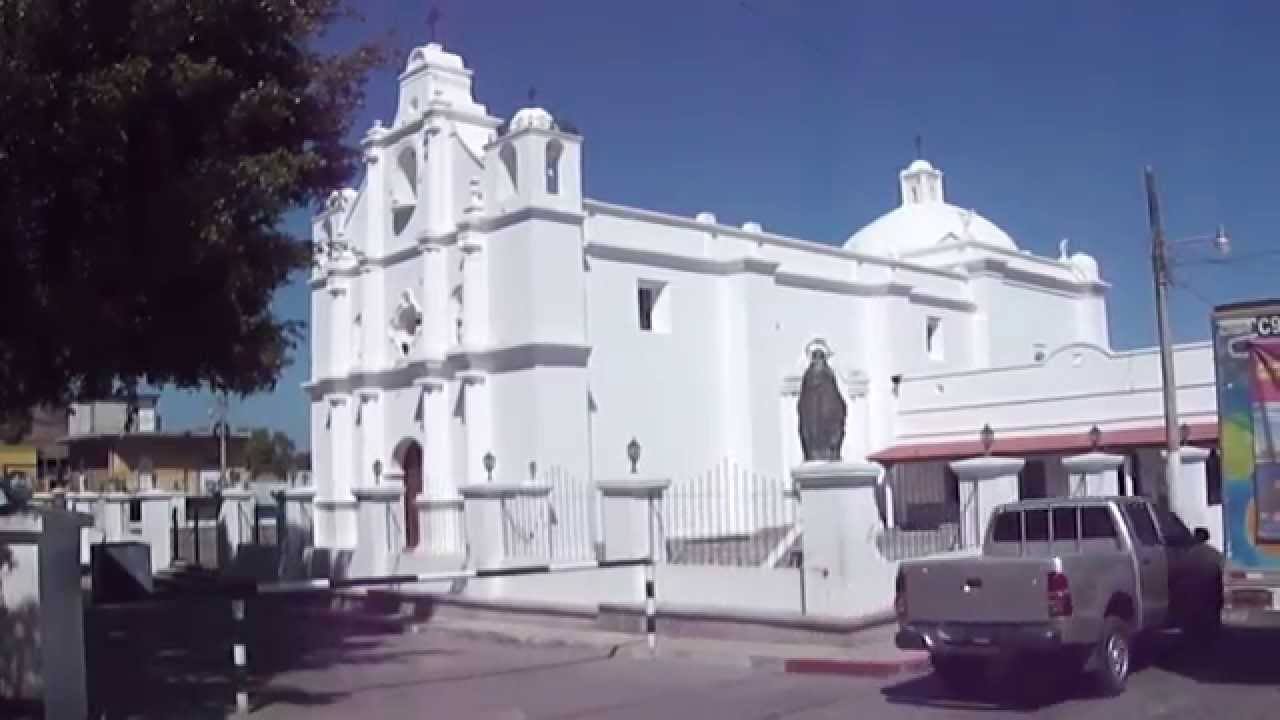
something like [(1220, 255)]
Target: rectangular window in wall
[(653, 303), (933, 338)]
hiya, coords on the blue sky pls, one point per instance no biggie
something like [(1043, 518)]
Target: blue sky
[(799, 114)]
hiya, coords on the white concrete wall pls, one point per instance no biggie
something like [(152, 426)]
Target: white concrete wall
[(1076, 387), (730, 588)]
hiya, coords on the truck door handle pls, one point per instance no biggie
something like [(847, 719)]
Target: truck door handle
[(1146, 562)]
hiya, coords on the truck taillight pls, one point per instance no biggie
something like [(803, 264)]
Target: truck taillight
[(900, 596), (1059, 589)]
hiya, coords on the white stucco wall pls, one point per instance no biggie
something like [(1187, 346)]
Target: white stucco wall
[(1077, 386)]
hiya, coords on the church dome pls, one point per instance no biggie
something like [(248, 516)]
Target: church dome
[(925, 220)]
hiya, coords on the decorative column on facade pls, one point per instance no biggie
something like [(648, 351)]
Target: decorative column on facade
[(373, 311), (436, 322), (370, 422), (985, 483), (439, 507), (475, 286), (340, 320), (478, 405), (856, 384), (437, 177), (341, 463)]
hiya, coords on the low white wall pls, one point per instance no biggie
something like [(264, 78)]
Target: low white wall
[(729, 587), (586, 588)]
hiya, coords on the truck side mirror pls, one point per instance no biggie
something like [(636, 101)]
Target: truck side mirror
[(1201, 535)]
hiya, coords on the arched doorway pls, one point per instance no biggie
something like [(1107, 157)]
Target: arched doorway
[(411, 462)]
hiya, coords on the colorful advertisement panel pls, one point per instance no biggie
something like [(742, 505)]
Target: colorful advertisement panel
[(1247, 355)]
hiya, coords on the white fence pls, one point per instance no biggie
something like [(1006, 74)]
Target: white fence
[(729, 515)]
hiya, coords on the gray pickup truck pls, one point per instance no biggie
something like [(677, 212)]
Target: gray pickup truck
[(1067, 579)]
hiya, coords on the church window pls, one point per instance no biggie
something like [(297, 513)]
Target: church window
[(653, 305), (554, 151), (933, 338), (404, 189), (509, 161)]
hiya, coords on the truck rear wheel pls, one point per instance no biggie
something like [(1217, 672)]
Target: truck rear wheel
[(1113, 657), (964, 675)]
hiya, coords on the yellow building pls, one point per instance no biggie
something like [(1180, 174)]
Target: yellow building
[(171, 461), (37, 454)]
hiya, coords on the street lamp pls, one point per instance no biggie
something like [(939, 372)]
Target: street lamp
[(490, 462), (988, 438), (1160, 265), (633, 454), (377, 472), (1095, 438)]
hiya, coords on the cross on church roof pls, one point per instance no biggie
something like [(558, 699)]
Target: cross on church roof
[(433, 19)]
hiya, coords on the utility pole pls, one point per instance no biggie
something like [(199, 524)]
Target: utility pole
[(219, 412), (1169, 388)]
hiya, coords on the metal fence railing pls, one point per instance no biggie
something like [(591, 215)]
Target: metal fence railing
[(729, 515), (571, 516), (525, 525), (921, 511)]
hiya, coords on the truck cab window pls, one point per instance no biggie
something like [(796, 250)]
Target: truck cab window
[(1037, 525), (1144, 528), (1095, 524), (1175, 532), (1007, 528), (1064, 523)]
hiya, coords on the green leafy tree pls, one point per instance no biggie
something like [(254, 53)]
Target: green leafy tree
[(149, 150), (269, 452)]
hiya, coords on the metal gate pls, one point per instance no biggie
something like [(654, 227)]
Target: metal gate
[(195, 532), (921, 510)]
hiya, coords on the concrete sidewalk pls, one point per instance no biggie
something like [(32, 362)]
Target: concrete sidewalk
[(877, 657)]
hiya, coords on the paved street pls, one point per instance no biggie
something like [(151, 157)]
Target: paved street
[(332, 670), (450, 677)]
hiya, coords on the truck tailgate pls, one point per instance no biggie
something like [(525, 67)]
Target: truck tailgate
[(977, 589)]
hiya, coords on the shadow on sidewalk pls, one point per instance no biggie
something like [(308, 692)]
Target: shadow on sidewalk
[(172, 657)]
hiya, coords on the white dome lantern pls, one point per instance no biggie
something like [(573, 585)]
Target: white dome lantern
[(925, 220), (532, 117), (1085, 267)]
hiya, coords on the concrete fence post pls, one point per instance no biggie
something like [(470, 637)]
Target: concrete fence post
[(985, 484), (633, 527), (379, 529), (1191, 501), (88, 503), (235, 525), (298, 534), (632, 524), (115, 517), (482, 509), (844, 571), (440, 523), (1093, 474), (42, 641), (157, 527)]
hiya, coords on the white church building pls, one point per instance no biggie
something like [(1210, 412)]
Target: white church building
[(479, 318)]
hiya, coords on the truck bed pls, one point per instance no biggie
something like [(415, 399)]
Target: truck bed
[(978, 589)]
